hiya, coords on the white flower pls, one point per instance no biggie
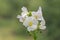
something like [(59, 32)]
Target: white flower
[(31, 20), (21, 19), (23, 14), (42, 24), (38, 14), (30, 23), (24, 11)]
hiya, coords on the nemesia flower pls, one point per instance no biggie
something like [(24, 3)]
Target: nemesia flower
[(21, 19), (32, 20), (24, 11), (23, 14), (38, 14), (42, 23), (30, 23)]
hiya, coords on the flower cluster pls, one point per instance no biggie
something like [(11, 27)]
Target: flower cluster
[(32, 20)]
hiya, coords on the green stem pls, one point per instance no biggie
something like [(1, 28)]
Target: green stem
[(35, 36)]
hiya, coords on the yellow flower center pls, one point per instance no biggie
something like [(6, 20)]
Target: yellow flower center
[(30, 23)]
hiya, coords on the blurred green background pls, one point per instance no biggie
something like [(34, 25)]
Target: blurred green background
[(12, 29)]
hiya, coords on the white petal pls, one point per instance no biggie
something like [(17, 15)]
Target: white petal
[(21, 19), (24, 9), (18, 16), (24, 14), (42, 21), (42, 27), (29, 29), (40, 10), (33, 13), (25, 23), (35, 22), (32, 28)]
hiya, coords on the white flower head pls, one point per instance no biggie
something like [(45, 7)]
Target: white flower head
[(23, 14), (38, 14), (32, 19), (24, 9), (30, 23), (21, 19)]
